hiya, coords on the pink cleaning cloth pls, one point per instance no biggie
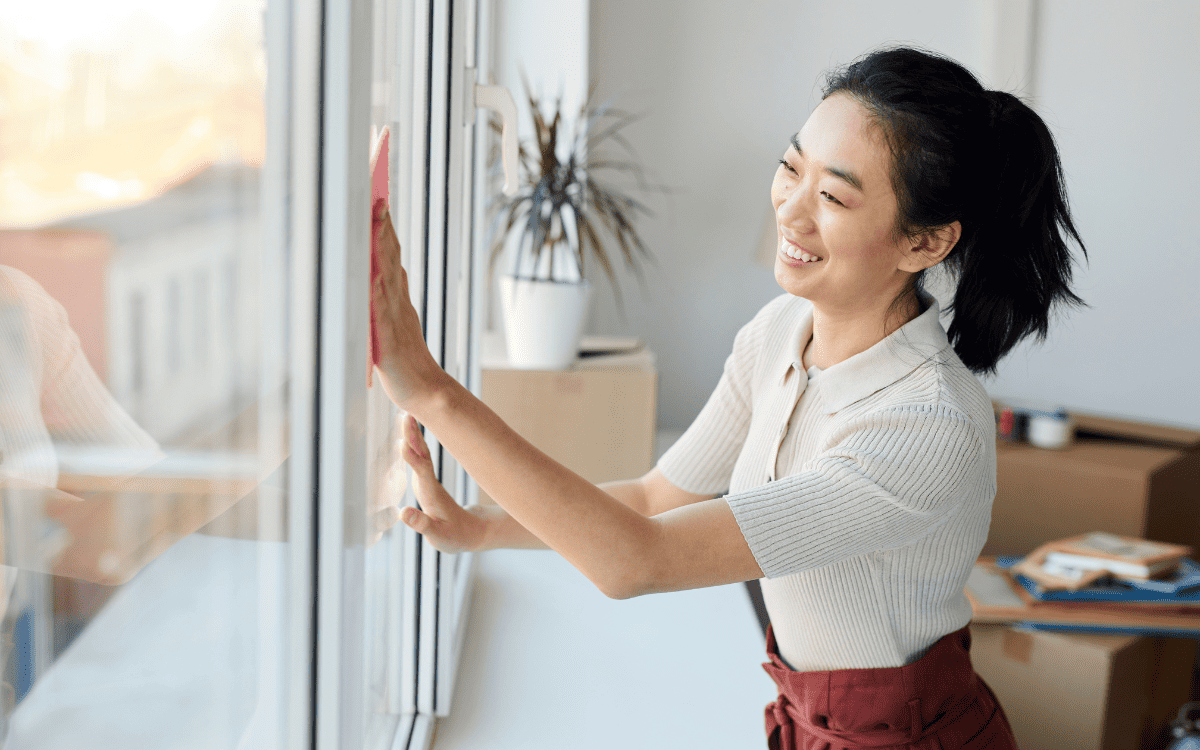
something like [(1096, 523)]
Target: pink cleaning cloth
[(379, 199)]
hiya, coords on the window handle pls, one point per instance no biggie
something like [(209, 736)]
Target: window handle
[(499, 100)]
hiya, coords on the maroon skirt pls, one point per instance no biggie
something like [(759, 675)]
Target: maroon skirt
[(935, 703)]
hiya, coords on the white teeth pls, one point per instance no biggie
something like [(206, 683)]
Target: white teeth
[(792, 251)]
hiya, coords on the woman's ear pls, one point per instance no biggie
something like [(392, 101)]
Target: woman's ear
[(932, 247)]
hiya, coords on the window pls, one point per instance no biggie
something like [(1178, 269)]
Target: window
[(190, 459)]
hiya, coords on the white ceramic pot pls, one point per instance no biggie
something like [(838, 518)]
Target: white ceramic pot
[(543, 321)]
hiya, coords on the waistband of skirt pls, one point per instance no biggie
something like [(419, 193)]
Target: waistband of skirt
[(943, 672), (878, 707), (947, 658)]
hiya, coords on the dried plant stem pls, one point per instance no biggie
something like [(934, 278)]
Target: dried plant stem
[(554, 188)]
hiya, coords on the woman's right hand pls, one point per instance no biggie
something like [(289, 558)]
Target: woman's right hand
[(447, 525)]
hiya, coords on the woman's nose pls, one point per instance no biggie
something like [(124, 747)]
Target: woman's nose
[(796, 210)]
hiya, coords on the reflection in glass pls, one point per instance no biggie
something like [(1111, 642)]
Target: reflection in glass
[(144, 506)]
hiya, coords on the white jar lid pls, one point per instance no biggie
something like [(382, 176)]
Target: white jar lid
[(1047, 431)]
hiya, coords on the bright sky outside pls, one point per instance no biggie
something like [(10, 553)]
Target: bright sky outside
[(106, 104)]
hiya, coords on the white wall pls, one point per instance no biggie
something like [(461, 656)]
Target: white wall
[(1118, 83), (547, 42), (548, 39), (725, 84)]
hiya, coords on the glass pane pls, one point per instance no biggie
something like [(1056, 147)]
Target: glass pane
[(386, 470), (143, 358), (417, 71)]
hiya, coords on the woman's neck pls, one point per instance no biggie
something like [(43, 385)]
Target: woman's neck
[(840, 334)]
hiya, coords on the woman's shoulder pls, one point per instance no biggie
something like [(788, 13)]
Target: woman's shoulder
[(13, 282), (20, 289), (14, 276), (944, 384), (23, 288), (933, 387)]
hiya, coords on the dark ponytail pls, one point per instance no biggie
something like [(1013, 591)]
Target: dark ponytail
[(984, 159)]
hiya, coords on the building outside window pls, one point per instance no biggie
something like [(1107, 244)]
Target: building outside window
[(192, 466)]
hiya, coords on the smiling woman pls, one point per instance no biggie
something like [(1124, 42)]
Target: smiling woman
[(849, 432), (838, 246)]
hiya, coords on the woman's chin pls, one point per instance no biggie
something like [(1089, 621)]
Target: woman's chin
[(788, 281)]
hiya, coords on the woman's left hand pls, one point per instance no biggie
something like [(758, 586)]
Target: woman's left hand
[(406, 368), (447, 525)]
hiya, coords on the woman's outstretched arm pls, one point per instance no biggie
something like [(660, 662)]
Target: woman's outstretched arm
[(622, 551), (453, 528)]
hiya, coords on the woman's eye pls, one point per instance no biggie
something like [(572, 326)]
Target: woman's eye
[(788, 167), (829, 197)]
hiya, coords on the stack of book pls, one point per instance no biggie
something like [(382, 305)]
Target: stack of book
[(1095, 582)]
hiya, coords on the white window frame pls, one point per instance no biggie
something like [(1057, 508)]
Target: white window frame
[(311, 669), (436, 198)]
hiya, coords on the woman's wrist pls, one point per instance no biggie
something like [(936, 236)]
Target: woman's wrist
[(486, 538), (433, 399), (501, 531)]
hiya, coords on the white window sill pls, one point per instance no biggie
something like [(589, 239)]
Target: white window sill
[(164, 664), (550, 662)]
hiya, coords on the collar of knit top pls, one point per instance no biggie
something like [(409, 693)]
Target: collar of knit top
[(851, 380)]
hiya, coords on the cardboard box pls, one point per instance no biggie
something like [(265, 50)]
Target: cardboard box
[(596, 418), (1122, 477), (1068, 691)]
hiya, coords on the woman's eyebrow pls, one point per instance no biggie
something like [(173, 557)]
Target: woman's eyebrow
[(847, 177)]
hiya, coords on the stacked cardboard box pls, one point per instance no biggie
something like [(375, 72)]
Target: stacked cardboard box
[(1071, 690), (597, 417), (1123, 477)]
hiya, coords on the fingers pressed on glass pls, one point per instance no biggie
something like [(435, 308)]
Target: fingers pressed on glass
[(416, 520), (414, 440), (386, 518)]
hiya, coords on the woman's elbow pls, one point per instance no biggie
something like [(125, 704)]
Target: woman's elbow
[(638, 575), (637, 568), (624, 585)]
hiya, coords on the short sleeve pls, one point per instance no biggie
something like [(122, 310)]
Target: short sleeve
[(887, 479), (75, 405), (702, 460)]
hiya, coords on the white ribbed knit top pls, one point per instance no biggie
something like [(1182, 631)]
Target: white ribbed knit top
[(49, 394), (864, 490), (48, 390)]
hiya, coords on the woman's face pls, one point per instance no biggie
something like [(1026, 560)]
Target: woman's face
[(836, 214)]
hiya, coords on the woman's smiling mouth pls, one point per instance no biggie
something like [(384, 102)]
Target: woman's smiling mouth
[(795, 253)]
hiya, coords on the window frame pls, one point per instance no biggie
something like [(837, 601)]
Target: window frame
[(437, 200), (311, 675)]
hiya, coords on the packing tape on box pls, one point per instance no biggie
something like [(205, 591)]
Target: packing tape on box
[(1017, 645)]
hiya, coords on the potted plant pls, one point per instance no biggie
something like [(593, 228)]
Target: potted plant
[(555, 221)]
